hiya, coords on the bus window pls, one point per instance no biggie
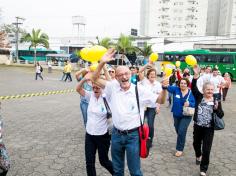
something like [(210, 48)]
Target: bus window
[(160, 56), (203, 58), (181, 58), (226, 59), (212, 59), (168, 58), (198, 58)]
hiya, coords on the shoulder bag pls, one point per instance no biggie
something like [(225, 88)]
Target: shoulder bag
[(109, 115), (218, 123), (188, 111), (143, 132)]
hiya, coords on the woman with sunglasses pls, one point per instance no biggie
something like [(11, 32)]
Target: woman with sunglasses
[(112, 73), (97, 136)]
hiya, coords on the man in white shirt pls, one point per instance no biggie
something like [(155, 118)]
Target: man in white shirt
[(218, 82), (125, 115), (205, 77)]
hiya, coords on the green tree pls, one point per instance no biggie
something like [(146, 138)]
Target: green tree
[(10, 28), (105, 42), (125, 46), (36, 39), (145, 51)]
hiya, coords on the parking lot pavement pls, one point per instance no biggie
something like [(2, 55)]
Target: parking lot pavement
[(45, 134)]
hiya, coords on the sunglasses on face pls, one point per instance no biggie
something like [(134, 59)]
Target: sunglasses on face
[(111, 71)]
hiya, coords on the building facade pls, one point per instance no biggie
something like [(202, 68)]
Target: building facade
[(173, 18), (221, 19)]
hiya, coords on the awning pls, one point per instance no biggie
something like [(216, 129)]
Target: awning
[(58, 55)]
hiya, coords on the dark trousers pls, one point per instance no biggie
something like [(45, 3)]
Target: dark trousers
[(150, 114), (102, 144), (225, 91), (217, 96), (38, 74), (4, 173), (68, 75), (202, 142)]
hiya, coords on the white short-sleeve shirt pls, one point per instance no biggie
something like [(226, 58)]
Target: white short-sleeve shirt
[(217, 80), (96, 115), (154, 87), (123, 104)]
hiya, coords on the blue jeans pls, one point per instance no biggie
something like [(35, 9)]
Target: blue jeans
[(63, 76), (129, 143), (150, 114), (84, 107), (181, 125)]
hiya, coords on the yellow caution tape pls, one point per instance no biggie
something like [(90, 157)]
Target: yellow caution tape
[(37, 94)]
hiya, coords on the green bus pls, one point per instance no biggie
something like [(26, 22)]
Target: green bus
[(225, 61), (28, 55)]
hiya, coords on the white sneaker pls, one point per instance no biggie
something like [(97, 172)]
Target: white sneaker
[(202, 173)]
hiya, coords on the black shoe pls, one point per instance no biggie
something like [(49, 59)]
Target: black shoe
[(198, 160)]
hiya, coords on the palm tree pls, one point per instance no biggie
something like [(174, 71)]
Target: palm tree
[(105, 42), (125, 45), (145, 51), (36, 39)]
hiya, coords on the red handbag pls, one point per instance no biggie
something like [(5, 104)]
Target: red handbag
[(144, 141), (143, 133)]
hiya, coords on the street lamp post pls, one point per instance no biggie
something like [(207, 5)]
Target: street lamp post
[(17, 34)]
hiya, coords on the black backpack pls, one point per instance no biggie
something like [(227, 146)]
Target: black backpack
[(41, 68)]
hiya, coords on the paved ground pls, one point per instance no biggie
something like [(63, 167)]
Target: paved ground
[(45, 134)]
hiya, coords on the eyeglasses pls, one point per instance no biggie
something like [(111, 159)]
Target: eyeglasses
[(96, 88), (111, 71), (123, 74)]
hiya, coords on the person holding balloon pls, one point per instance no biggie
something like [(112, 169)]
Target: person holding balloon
[(125, 115), (203, 130), (182, 96), (97, 136)]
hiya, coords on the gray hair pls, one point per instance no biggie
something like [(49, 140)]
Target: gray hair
[(207, 83)]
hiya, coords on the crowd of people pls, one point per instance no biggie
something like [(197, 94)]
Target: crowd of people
[(202, 91)]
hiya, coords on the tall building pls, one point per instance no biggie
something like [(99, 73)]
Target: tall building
[(213, 14), (227, 18), (173, 18), (221, 18)]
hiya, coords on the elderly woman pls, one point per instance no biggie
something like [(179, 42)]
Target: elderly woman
[(97, 137), (227, 85), (203, 131), (182, 96), (153, 86)]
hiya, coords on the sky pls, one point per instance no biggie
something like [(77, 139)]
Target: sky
[(103, 17)]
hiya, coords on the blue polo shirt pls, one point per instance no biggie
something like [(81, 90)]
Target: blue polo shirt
[(179, 100)]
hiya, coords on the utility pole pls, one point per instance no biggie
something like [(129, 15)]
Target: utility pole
[(17, 33)]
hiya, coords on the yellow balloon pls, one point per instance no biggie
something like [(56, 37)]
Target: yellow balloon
[(94, 66), (191, 60), (96, 52), (177, 63), (153, 57), (84, 53), (168, 69), (93, 54)]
